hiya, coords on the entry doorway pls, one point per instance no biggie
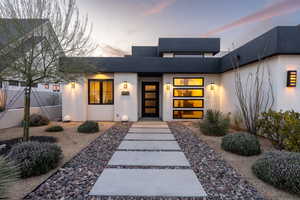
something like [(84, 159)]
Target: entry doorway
[(150, 99)]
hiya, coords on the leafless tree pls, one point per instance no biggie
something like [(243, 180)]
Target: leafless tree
[(253, 90), (36, 34)]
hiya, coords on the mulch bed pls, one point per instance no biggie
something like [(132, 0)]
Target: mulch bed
[(77, 177), (218, 178)]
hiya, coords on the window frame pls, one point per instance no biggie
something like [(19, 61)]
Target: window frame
[(188, 78), (188, 110), (188, 89), (10, 83), (101, 92), (174, 107)]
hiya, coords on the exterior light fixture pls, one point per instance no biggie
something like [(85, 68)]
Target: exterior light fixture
[(168, 86), (125, 85), (291, 79), (73, 85), (212, 86)]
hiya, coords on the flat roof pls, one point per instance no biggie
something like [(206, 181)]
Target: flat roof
[(277, 41)]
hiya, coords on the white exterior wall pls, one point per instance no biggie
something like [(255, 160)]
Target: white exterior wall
[(284, 98), (74, 100), (211, 97), (126, 105)]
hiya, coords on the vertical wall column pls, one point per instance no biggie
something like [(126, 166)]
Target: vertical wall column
[(126, 96), (74, 100)]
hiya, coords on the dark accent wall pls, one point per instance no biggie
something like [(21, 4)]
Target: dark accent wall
[(144, 51), (207, 45)]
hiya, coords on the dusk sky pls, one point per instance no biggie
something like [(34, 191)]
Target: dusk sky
[(119, 24)]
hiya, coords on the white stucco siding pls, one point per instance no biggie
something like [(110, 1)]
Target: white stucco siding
[(285, 98), (74, 100), (126, 105), (288, 98), (211, 97)]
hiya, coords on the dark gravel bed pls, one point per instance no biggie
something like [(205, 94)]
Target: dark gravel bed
[(77, 177), (219, 180)]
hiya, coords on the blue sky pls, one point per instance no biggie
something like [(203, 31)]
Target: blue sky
[(119, 24)]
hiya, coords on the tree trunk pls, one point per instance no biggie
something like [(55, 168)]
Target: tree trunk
[(26, 113)]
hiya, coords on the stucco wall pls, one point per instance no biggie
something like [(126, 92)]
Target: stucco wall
[(74, 100), (126, 104), (211, 97), (284, 98)]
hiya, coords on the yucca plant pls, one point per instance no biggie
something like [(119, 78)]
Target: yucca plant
[(214, 123), (8, 174)]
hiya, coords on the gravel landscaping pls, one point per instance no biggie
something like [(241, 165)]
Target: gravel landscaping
[(76, 178), (218, 178)]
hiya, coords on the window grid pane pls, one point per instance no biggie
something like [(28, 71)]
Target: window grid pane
[(188, 103), (107, 92), (188, 114), (199, 92), (189, 82)]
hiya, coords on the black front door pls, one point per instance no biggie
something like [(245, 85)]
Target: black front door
[(150, 99)]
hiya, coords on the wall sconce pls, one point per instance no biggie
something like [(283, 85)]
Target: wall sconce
[(168, 86), (125, 85), (291, 79), (212, 86), (73, 84)]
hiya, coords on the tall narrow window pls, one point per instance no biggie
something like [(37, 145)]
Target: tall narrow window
[(100, 92)]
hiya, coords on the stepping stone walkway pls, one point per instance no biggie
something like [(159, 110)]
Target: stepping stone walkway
[(148, 163)]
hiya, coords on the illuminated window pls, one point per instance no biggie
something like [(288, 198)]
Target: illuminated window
[(100, 92), (291, 79), (191, 92), (188, 103), (188, 114), (197, 82)]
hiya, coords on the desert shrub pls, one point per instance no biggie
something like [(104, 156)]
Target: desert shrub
[(282, 128), (8, 174), (241, 143), (37, 120), (8, 144), (214, 123), (35, 158), (55, 128), (280, 169), (237, 122), (88, 127)]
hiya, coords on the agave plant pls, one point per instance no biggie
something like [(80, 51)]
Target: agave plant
[(8, 174)]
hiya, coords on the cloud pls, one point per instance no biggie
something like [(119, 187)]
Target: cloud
[(158, 7), (110, 51), (279, 8)]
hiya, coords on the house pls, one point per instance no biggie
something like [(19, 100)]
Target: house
[(181, 78)]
